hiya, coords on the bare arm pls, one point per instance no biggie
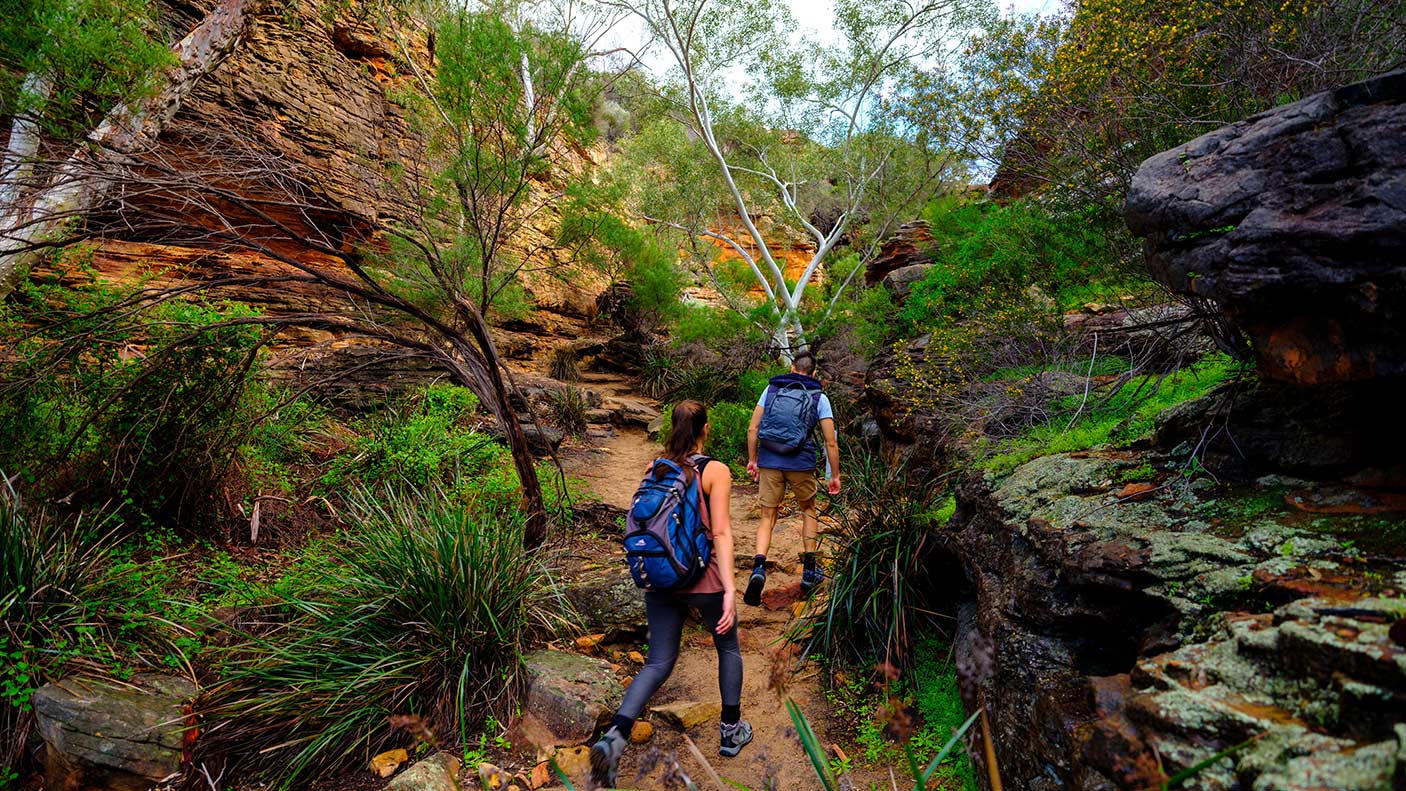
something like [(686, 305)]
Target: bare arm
[(832, 452), (717, 483), (752, 440)]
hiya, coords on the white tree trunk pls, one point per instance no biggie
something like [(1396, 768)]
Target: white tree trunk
[(24, 146), (28, 223)]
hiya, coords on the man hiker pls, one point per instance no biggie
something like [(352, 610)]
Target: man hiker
[(781, 452)]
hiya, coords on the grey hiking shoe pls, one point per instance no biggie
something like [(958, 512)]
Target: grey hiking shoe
[(732, 738), (810, 578), (753, 594), (605, 757)]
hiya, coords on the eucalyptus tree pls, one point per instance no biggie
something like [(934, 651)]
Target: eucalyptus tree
[(774, 127)]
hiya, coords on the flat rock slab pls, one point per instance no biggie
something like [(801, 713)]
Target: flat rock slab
[(118, 735), (783, 597), (570, 694), (439, 772), (687, 714)]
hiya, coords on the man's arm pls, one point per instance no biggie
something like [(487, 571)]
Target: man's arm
[(832, 452), (752, 441)]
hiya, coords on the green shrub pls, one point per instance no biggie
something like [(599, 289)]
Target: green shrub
[(426, 440), (1117, 419), (566, 364), (938, 699), (101, 404), (711, 326), (424, 611), (568, 409), (727, 437)]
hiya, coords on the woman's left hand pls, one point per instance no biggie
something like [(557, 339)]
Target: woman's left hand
[(729, 616)]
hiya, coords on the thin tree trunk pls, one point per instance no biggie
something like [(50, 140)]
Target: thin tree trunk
[(534, 504), (73, 191)]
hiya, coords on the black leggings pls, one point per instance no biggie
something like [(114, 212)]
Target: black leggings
[(667, 613)]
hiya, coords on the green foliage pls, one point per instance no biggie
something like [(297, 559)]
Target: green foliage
[(427, 439), (711, 326), (284, 435), (593, 227), (96, 54), (944, 764), (60, 608), (1117, 419), (880, 587), (727, 435), (938, 699), (145, 409), (423, 612), (986, 249)]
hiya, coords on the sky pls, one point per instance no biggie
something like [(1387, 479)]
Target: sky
[(815, 16)]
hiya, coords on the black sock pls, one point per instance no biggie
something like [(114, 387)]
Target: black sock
[(808, 560), (758, 562), (731, 714), (623, 724)]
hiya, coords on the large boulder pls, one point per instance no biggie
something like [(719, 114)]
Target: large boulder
[(112, 735), (607, 599), (1114, 631), (568, 695), (1294, 221)]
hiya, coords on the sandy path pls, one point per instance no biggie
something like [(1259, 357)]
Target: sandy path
[(775, 751)]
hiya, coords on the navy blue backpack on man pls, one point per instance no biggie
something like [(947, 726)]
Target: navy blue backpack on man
[(666, 542), (791, 413)]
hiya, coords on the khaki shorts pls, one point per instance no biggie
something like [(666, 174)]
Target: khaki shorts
[(774, 483)]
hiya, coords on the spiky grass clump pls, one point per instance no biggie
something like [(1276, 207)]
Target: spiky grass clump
[(879, 588), (566, 364), (424, 612), (659, 372), (568, 407), (61, 610)]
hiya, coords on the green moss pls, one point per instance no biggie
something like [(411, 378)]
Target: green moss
[(1115, 421)]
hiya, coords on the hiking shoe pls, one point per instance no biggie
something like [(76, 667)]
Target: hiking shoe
[(732, 738), (810, 578), (605, 757), (753, 594)]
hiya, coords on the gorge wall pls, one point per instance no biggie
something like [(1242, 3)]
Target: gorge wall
[(1128, 615), (305, 108)]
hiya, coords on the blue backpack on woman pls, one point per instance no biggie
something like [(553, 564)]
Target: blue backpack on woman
[(666, 542)]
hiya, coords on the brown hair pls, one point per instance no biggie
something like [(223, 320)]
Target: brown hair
[(690, 418), (803, 363)]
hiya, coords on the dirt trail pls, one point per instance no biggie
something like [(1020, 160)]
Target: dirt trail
[(775, 752)]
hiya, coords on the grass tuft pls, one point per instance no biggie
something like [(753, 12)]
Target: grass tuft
[(424, 611)]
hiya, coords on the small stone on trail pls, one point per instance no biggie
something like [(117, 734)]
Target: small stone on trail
[(385, 764), (491, 776), (636, 657), (590, 641), (541, 774), (686, 714), (575, 763), (643, 731), (783, 597), (439, 772)]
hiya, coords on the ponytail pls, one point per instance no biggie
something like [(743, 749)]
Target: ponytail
[(689, 420)]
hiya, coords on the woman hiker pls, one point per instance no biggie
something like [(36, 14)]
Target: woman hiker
[(713, 596)]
